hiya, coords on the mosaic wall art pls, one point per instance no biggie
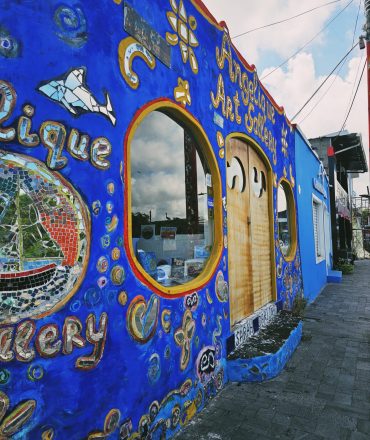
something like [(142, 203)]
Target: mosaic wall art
[(71, 26), (44, 238), (89, 348), (9, 46), (70, 90)]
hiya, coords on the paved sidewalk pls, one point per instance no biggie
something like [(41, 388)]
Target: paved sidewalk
[(324, 391)]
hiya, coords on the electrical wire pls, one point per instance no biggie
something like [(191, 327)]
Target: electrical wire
[(330, 74), (360, 61), (358, 13), (336, 76), (310, 41), (285, 20), (323, 95), (354, 82), (353, 100)]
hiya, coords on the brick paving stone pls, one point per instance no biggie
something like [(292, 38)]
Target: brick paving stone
[(306, 425), (364, 427), (346, 399), (358, 436), (324, 391), (328, 429)]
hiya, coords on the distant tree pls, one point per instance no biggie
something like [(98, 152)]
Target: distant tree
[(138, 219), (365, 217)]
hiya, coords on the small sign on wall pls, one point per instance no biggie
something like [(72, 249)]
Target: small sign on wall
[(168, 232), (251, 325), (136, 26), (147, 232)]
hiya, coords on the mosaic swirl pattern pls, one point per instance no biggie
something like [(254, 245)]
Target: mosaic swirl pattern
[(44, 239)]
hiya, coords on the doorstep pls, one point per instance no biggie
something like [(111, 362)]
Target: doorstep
[(334, 276)]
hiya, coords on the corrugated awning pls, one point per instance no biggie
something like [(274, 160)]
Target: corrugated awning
[(350, 152)]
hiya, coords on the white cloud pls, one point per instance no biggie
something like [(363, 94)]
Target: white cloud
[(158, 169), (283, 39), (293, 84)]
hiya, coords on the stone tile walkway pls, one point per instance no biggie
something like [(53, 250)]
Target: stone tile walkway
[(324, 391)]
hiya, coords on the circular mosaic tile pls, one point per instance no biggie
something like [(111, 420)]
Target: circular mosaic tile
[(44, 238)]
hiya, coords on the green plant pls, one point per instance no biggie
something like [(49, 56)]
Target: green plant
[(345, 267), (299, 305)]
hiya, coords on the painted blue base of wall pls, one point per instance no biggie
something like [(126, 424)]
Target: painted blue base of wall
[(265, 367), (334, 276)]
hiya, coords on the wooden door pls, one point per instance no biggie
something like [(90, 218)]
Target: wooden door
[(240, 268), (248, 220), (260, 231)]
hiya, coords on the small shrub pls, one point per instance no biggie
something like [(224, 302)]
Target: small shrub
[(345, 267), (299, 305)]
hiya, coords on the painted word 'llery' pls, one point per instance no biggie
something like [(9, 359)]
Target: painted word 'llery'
[(15, 342)]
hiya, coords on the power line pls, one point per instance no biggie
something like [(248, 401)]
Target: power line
[(285, 20), (358, 13), (359, 63), (310, 41), (330, 74), (336, 76), (323, 95), (354, 82), (354, 97)]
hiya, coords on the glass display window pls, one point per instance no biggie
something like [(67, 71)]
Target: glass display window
[(286, 220), (172, 202)]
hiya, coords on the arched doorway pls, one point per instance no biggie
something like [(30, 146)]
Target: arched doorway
[(249, 195)]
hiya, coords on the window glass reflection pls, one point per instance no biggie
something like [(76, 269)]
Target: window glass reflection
[(171, 201), (283, 221)]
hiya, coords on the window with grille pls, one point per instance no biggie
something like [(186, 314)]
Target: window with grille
[(318, 228), (316, 210)]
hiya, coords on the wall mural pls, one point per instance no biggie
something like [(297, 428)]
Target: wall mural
[(71, 25), (87, 350), (44, 237), (71, 92)]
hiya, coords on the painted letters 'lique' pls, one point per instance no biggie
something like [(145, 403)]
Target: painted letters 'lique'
[(147, 212)]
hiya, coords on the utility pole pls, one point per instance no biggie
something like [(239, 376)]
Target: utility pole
[(367, 27)]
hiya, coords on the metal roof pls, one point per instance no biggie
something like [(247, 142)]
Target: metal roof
[(348, 148), (350, 152)]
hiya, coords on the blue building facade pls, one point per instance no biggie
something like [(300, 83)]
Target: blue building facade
[(313, 205), (124, 287)]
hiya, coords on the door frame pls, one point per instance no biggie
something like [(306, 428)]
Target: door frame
[(327, 237), (270, 184)]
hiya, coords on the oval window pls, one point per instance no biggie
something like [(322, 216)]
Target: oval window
[(172, 202), (286, 219)]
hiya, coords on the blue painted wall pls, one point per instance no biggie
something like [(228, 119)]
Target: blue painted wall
[(102, 352), (307, 168)]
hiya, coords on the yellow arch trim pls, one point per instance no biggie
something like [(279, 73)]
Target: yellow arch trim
[(292, 221), (179, 114)]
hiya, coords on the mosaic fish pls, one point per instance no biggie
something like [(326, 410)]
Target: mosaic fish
[(70, 90)]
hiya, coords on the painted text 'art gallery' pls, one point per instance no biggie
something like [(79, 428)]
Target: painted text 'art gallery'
[(148, 216)]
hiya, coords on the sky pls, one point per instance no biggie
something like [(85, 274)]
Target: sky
[(292, 84), (158, 180)]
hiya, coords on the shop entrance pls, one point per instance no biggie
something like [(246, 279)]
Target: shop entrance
[(249, 230)]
